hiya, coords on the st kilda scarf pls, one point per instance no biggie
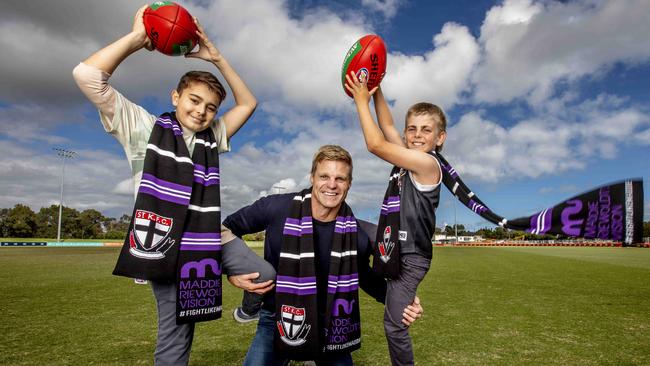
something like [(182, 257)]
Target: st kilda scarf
[(175, 234), (298, 332), (611, 212)]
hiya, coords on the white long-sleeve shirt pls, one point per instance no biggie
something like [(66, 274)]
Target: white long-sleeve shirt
[(128, 122)]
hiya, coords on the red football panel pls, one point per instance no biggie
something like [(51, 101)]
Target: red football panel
[(168, 12), (370, 44), (185, 20), (178, 36), (158, 29)]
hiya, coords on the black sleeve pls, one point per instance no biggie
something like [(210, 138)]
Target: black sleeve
[(250, 219), (373, 284)]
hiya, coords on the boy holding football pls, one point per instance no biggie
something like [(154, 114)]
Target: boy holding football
[(195, 124), (407, 220)]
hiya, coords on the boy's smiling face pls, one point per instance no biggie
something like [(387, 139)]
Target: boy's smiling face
[(422, 132), (196, 106)]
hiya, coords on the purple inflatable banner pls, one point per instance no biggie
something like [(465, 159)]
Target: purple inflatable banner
[(610, 212)]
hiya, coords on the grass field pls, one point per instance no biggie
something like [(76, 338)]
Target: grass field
[(505, 306)]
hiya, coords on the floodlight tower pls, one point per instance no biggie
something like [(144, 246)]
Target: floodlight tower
[(65, 155)]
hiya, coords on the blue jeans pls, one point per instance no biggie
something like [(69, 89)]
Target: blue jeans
[(261, 352)]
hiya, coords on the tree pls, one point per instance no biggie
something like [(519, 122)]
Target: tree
[(4, 230), (646, 229), (47, 221), (21, 222), (70, 227), (90, 223)]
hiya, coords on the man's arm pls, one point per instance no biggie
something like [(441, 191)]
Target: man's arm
[(245, 102), (250, 219)]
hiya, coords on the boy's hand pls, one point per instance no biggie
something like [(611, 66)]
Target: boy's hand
[(359, 88), (139, 31), (207, 50)]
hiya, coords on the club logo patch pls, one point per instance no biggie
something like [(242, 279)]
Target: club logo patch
[(386, 246), (362, 74), (149, 238), (292, 328)]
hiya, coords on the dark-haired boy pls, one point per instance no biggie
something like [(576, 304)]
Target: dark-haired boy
[(196, 99)]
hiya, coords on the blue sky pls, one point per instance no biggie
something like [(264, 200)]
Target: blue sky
[(545, 99)]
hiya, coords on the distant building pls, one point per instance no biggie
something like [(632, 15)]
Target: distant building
[(441, 238)]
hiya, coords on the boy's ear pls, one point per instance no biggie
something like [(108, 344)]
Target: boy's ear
[(441, 138), (175, 96)]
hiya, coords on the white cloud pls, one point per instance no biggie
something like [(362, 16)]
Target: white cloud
[(387, 7), (551, 144), (293, 65), (432, 76), (530, 46), (34, 179)]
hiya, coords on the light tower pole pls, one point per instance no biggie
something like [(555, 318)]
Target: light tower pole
[(65, 155), (279, 188), (455, 222)]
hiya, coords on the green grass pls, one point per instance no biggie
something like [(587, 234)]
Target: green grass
[(504, 306), (63, 240)]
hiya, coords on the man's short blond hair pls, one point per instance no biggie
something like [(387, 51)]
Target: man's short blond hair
[(333, 153)]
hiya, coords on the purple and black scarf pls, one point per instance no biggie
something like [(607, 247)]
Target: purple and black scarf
[(298, 332), (175, 234), (611, 212)]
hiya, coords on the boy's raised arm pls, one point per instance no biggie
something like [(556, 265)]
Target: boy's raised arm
[(109, 58), (385, 118), (245, 101), (416, 161)]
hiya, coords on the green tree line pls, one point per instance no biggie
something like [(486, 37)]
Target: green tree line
[(22, 222)]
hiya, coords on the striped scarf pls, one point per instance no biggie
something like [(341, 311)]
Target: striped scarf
[(611, 212), (386, 254), (175, 233), (299, 333)]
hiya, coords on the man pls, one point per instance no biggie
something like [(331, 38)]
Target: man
[(321, 259)]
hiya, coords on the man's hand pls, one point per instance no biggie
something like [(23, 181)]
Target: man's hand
[(207, 50), (412, 312), (245, 282)]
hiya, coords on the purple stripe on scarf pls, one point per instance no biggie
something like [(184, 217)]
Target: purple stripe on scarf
[(353, 276), (201, 168), (194, 235), (391, 199), (296, 279), (347, 224), (476, 207), (206, 248), (348, 288), (295, 291), (385, 211), (298, 231), (166, 184), (450, 170), (163, 196), (168, 123), (206, 182)]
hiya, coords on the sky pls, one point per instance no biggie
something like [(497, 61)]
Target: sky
[(545, 99)]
